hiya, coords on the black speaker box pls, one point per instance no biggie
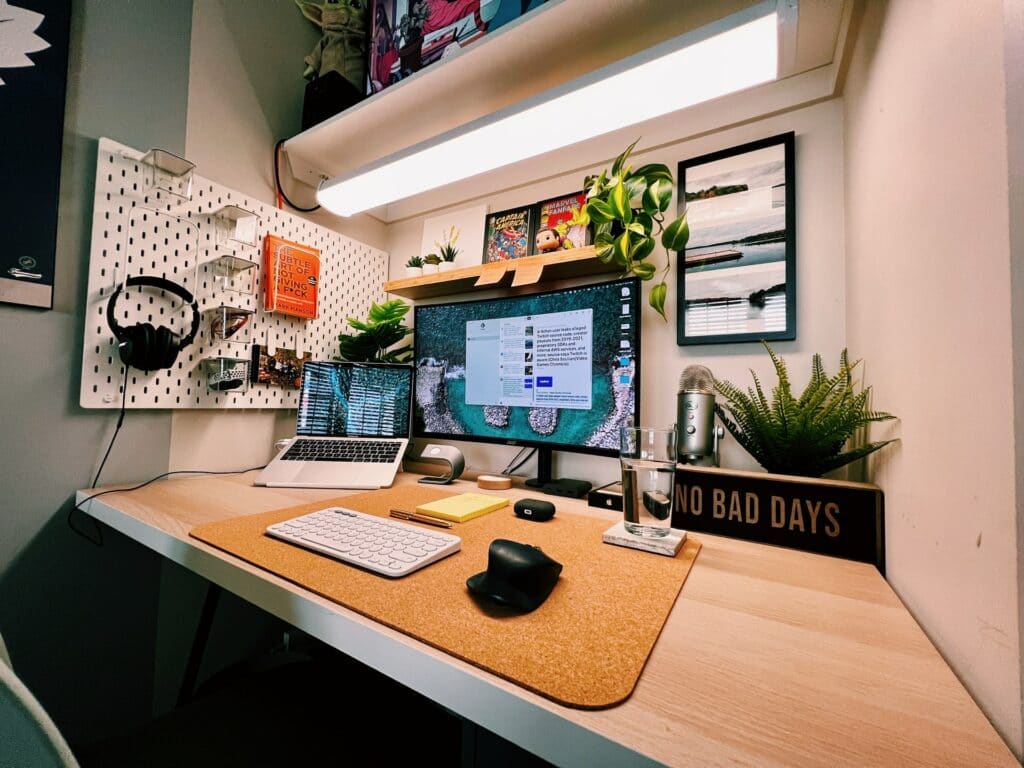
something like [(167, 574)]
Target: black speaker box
[(327, 96)]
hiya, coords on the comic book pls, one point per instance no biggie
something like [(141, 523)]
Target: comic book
[(556, 227), (507, 234)]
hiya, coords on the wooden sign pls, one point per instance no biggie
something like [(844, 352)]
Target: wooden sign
[(829, 517)]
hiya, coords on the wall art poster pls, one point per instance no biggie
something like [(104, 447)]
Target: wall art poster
[(557, 225), (737, 277), (408, 35), (507, 234), (33, 74)]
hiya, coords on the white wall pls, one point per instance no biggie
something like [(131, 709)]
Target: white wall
[(928, 304), (245, 93), (76, 616), (820, 276)]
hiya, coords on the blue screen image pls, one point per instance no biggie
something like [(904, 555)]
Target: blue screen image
[(559, 369)]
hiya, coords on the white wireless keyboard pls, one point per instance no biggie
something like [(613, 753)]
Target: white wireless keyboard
[(384, 546)]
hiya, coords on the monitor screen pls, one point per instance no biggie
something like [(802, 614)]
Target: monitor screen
[(558, 369), (354, 400)]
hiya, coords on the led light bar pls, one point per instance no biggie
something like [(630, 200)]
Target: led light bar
[(679, 73)]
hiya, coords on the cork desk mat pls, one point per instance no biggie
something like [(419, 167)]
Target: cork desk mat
[(585, 647)]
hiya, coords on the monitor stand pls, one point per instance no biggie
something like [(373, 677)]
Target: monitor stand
[(573, 489)]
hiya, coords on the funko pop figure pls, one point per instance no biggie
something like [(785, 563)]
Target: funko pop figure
[(548, 240)]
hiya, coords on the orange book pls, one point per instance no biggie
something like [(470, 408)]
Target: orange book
[(291, 272)]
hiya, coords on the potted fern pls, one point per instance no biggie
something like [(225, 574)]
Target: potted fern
[(414, 266), (801, 435)]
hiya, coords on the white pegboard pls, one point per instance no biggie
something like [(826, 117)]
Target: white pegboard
[(140, 229)]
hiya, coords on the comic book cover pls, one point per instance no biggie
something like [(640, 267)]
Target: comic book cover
[(507, 234), (557, 227), (291, 272)]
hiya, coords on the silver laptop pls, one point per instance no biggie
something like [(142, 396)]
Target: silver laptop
[(352, 428)]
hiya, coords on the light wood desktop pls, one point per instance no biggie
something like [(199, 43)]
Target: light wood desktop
[(769, 657)]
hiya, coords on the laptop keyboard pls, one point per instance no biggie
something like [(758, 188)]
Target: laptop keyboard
[(362, 451)]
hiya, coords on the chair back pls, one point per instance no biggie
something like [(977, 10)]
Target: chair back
[(28, 737)]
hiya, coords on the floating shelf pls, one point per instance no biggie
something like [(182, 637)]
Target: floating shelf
[(578, 262)]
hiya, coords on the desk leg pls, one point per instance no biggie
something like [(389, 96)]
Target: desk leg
[(195, 656)]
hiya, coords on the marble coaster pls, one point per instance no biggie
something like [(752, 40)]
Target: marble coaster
[(665, 545)]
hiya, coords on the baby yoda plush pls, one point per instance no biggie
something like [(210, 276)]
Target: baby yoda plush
[(343, 45)]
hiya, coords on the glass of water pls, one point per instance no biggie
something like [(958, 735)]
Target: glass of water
[(648, 459)]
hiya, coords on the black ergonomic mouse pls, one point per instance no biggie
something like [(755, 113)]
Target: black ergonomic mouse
[(517, 575)]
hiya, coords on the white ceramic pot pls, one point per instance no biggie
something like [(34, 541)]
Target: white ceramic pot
[(430, 269), (446, 266), (414, 271)]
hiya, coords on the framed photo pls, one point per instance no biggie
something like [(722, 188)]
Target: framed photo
[(508, 234), (556, 224), (737, 276)]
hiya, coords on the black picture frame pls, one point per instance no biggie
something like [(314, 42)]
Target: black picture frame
[(31, 138), (721, 299)]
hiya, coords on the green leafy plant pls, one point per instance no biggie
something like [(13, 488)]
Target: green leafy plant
[(431, 258), (802, 435), (627, 207), (447, 249), (414, 262), (382, 329)]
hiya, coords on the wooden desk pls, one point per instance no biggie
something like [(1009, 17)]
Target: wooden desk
[(770, 656)]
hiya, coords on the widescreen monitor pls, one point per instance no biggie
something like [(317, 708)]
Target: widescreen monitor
[(557, 370)]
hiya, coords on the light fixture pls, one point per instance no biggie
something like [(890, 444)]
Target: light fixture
[(695, 67)]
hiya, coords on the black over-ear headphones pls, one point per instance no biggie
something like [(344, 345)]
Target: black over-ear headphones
[(141, 345)]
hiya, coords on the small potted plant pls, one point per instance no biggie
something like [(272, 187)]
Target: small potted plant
[(447, 250), (414, 267), (431, 264)]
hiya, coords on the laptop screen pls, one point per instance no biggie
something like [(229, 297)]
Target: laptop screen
[(354, 400)]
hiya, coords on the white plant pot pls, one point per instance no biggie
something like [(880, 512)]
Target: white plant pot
[(446, 266), (414, 271), (430, 269)]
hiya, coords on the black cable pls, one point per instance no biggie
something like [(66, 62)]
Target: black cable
[(508, 467), (517, 466), (78, 506), (117, 429), (277, 181), (98, 541)]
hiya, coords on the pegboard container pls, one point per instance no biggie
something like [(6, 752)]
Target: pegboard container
[(236, 229), (229, 324), (141, 228), (228, 277), (167, 172), (226, 374)]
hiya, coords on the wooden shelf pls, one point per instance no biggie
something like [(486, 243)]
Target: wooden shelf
[(578, 262)]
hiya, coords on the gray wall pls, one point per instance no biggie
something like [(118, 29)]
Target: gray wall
[(80, 620)]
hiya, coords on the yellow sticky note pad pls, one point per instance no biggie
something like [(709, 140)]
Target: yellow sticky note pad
[(463, 507)]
